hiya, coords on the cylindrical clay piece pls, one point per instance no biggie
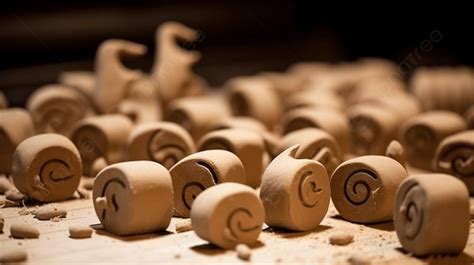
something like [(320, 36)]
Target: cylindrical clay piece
[(47, 167), (15, 126), (133, 197), (162, 142), (363, 189), (101, 137), (199, 171), (432, 214), (228, 214), (314, 144), (295, 192), (455, 156), (421, 135), (247, 145)]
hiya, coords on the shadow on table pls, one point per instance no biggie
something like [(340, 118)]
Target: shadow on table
[(461, 259), (101, 231), (211, 250), (295, 234), (385, 226)]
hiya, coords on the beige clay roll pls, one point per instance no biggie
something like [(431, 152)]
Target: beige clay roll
[(199, 171), (141, 103), (315, 98), (314, 144), (3, 101), (47, 167), (421, 135), (133, 197), (247, 145), (363, 189), (15, 126), (162, 142), (57, 108), (101, 140), (295, 192), (432, 214), (455, 156), (228, 214), (469, 116), (84, 81), (331, 121)]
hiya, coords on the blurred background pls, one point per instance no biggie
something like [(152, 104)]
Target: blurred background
[(39, 39)]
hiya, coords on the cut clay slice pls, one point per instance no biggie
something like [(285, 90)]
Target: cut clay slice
[(228, 214), (247, 145), (314, 144), (47, 167), (295, 192), (162, 142), (199, 171), (133, 197), (15, 126), (421, 134), (101, 140), (455, 156), (432, 214), (363, 189)]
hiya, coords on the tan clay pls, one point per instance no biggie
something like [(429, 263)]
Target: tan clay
[(14, 195), (133, 197), (315, 98), (199, 171), (341, 239), (162, 142), (3, 101), (13, 256), (47, 167), (84, 81), (49, 211), (101, 140), (15, 126), (455, 156), (183, 226), (56, 108), (228, 214), (395, 151), (247, 145), (5, 185), (243, 252), (314, 144), (432, 214), (2, 223), (363, 188), (421, 134), (80, 231), (469, 116), (295, 192), (23, 230)]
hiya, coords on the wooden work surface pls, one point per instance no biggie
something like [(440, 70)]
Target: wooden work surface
[(378, 243)]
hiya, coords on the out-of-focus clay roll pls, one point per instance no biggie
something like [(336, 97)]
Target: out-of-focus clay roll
[(113, 78), (141, 103), (133, 197), (403, 106), (3, 101), (314, 144), (315, 98), (162, 142), (331, 121), (15, 126), (455, 156), (247, 145), (285, 84), (363, 188), (295, 192), (469, 116), (199, 171), (47, 167), (101, 140), (432, 214), (84, 81), (57, 108), (421, 134), (246, 96), (228, 214)]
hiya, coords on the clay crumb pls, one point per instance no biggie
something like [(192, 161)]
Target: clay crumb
[(22, 230), (8, 203), (358, 260), (341, 239), (183, 226), (24, 211), (55, 219), (243, 252), (13, 256), (80, 231), (14, 195), (5, 185), (49, 212)]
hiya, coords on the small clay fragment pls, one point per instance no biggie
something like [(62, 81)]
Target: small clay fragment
[(363, 188), (2, 223), (23, 230), (243, 252), (358, 260), (421, 134), (101, 140), (50, 211), (162, 142), (228, 214), (47, 167), (80, 231), (7, 203), (199, 171), (247, 145), (14, 195), (426, 205), (13, 256), (183, 226), (341, 239), (395, 151), (455, 156), (133, 197), (5, 185)]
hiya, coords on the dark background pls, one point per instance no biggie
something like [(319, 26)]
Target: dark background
[(39, 39)]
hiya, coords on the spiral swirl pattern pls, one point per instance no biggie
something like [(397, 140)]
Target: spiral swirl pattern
[(411, 211), (240, 222), (359, 187)]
